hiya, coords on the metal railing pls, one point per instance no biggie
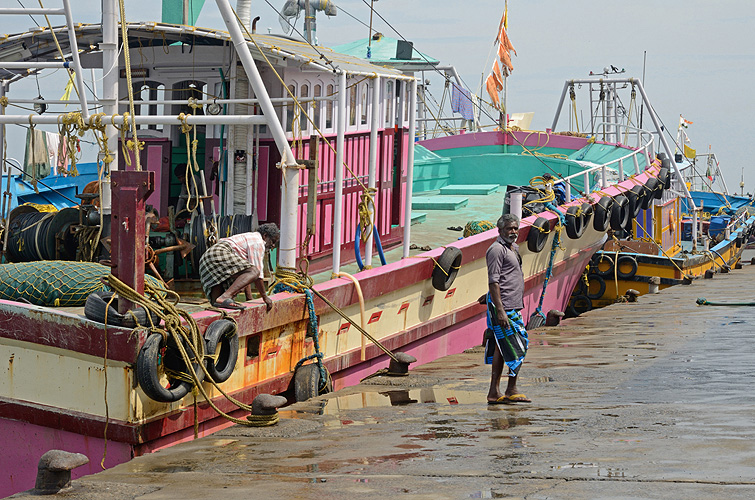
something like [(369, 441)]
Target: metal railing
[(645, 142)]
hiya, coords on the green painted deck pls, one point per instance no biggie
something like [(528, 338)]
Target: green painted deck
[(418, 217), (439, 202), (462, 189)]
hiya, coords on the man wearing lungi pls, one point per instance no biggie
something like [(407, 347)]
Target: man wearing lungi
[(506, 339), (233, 264)]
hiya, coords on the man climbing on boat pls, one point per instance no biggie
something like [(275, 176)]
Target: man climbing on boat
[(234, 263), (506, 338)]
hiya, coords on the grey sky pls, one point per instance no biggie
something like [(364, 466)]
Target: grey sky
[(699, 53)]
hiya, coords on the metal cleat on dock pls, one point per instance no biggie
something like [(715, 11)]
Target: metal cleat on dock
[(54, 471)]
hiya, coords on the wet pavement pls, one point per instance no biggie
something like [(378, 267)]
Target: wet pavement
[(651, 399)]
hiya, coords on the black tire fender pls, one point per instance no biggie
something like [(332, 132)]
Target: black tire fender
[(620, 213), (538, 234), (653, 187), (635, 196), (601, 260), (579, 304), (664, 177), (622, 261), (155, 355), (602, 214), (307, 382), (221, 337), (601, 287), (575, 222), (586, 214), (446, 268), (97, 303)]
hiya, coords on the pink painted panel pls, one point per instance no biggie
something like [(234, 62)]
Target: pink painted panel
[(328, 233), (154, 164), (25, 443), (262, 181)]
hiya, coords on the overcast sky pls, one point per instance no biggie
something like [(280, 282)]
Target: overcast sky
[(700, 54)]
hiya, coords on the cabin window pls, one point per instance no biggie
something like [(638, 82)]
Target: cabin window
[(290, 109), (303, 121), (364, 95), (316, 105), (329, 108), (388, 102), (353, 105)]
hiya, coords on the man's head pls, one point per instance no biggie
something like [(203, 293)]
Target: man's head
[(508, 227), (180, 171), (271, 234)]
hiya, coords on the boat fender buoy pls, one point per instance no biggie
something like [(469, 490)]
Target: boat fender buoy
[(595, 291), (664, 177), (538, 234), (575, 222), (221, 349), (446, 268), (602, 213), (620, 213), (155, 357), (622, 262)]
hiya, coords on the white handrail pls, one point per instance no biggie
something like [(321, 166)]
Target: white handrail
[(646, 146)]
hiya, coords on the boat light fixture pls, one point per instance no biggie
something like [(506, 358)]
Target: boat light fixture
[(40, 107)]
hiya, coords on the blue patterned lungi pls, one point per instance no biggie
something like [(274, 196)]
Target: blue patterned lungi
[(511, 339)]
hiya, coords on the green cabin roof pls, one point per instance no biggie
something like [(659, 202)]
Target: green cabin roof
[(383, 52)]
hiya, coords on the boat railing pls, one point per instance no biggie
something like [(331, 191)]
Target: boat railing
[(644, 147)]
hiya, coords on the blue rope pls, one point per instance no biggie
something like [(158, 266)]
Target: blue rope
[(314, 331), (549, 271)]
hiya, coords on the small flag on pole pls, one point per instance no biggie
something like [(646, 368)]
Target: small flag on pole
[(689, 152), (684, 123)]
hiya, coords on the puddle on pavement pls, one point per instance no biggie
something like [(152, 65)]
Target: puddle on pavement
[(373, 399)]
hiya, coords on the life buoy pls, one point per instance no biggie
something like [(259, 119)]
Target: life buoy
[(538, 234), (596, 286), (620, 213), (575, 222), (446, 268), (652, 187), (221, 349), (156, 358), (622, 262), (602, 214)]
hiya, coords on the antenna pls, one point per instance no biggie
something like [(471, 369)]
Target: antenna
[(292, 8)]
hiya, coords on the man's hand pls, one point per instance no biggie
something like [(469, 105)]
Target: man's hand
[(268, 302), (503, 319)]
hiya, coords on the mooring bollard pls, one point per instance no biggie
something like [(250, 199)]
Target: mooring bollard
[(654, 284), (54, 471), (265, 410), (400, 366), (632, 295), (553, 318), (709, 274)]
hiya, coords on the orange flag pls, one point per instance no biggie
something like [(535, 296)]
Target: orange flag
[(504, 45), (492, 87), (496, 74)]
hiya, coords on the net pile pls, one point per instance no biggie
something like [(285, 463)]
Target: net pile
[(54, 282)]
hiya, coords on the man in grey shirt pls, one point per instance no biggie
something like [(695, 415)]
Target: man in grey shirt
[(506, 339)]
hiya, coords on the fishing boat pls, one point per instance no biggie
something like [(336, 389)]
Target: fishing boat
[(296, 134), (673, 240)]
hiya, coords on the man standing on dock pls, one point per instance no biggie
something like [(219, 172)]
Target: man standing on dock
[(506, 338)]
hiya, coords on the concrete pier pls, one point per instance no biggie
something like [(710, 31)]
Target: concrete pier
[(652, 399)]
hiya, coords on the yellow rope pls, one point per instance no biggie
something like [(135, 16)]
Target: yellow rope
[(60, 52), (134, 145)]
